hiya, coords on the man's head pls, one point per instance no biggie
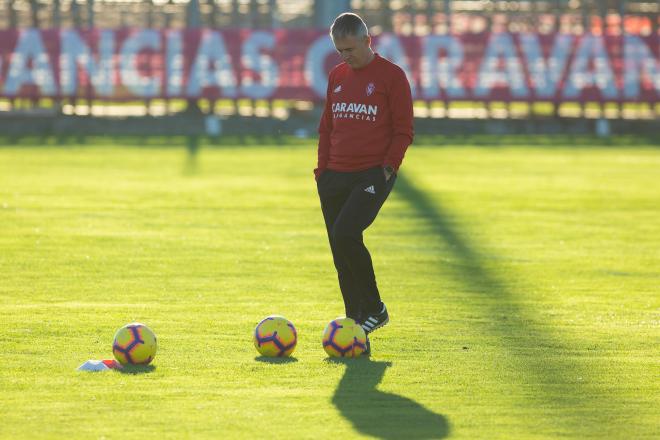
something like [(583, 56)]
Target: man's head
[(351, 39)]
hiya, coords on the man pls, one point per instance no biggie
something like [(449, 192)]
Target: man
[(366, 127)]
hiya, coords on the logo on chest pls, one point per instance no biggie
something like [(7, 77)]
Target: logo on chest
[(371, 87), (354, 110)]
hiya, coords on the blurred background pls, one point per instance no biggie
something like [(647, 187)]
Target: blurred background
[(237, 67)]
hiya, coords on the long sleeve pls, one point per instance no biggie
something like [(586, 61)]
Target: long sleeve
[(400, 99), (325, 128)]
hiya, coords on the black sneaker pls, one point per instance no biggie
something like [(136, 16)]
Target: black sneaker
[(373, 322), (367, 351)]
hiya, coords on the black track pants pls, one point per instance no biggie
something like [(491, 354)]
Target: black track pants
[(350, 202)]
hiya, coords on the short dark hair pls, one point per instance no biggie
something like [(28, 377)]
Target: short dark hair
[(348, 24)]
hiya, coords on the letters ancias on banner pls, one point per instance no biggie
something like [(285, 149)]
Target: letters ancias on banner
[(130, 64)]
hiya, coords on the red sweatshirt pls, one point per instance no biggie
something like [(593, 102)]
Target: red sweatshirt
[(368, 118)]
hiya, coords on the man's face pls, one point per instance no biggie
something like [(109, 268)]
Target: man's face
[(355, 51)]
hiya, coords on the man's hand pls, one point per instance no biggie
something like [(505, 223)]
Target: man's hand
[(388, 170)]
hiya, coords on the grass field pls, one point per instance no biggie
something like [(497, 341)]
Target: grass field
[(522, 282)]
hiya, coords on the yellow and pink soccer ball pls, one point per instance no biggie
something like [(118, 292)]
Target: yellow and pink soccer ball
[(343, 337), (275, 336), (134, 344)]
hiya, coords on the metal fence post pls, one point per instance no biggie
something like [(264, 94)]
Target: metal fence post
[(235, 16), (325, 12), (90, 14), (34, 13), (586, 30), (75, 15), (193, 21), (213, 15), (655, 32), (56, 14), (193, 17), (386, 14), (449, 18), (90, 25), (557, 29), (274, 14), (622, 33)]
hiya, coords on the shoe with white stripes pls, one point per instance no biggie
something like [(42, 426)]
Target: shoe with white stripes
[(373, 322)]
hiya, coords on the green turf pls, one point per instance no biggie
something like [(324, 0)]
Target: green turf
[(522, 284)]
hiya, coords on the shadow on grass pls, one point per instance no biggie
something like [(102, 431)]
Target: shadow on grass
[(191, 166), (276, 360), (137, 369), (539, 358), (379, 414)]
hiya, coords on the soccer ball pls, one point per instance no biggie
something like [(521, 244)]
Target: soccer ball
[(134, 344), (343, 337), (275, 336)]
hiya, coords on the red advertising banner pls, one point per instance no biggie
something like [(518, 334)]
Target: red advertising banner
[(293, 64)]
